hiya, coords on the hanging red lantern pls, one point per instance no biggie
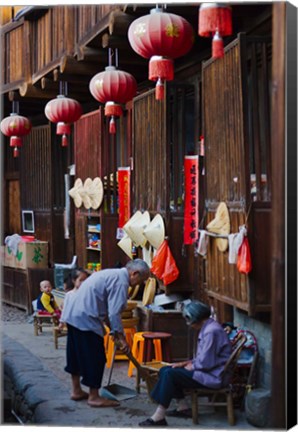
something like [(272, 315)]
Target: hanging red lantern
[(63, 111), (215, 20), (15, 126), (161, 37), (113, 88)]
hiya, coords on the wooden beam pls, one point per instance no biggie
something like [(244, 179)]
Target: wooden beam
[(113, 41), (29, 90), (90, 54), (119, 22), (70, 65)]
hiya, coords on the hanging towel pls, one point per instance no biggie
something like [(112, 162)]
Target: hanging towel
[(203, 243)]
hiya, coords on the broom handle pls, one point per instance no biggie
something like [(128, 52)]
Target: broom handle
[(112, 365), (141, 370)]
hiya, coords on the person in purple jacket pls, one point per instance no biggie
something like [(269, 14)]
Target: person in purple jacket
[(205, 370)]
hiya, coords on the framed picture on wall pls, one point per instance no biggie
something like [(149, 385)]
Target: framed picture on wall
[(28, 221)]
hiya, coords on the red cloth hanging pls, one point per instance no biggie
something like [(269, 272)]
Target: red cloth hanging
[(124, 195), (191, 200)]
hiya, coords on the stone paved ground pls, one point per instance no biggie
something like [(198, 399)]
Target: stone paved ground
[(17, 328), (13, 314)]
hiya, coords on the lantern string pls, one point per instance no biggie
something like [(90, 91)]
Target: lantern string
[(15, 107), (116, 57)]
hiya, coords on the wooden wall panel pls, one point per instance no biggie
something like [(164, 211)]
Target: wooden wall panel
[(36, 170), (151, 179), (236, 120), (13, 64), (223, 131), (87, 135)]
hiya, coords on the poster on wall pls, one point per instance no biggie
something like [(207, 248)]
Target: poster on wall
[(124, 195), (191, 199)]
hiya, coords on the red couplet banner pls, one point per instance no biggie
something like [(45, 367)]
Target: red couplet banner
[(191, 200), (124, 195)]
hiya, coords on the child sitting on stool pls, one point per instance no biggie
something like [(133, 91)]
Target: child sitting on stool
[(46, 303)]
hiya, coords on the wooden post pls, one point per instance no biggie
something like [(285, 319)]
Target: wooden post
[(278, 216)]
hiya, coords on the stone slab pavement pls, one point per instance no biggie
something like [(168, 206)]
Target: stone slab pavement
[(36, 370)]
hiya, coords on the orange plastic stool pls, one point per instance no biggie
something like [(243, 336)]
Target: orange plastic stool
[(129, 331), (137, 350)]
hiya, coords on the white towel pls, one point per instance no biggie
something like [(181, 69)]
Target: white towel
[(203, 243)]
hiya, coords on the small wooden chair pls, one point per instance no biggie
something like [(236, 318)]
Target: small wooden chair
[(40, 320), (226, 392)]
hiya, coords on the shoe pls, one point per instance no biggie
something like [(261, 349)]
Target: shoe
[(186, 413), (149, 422)]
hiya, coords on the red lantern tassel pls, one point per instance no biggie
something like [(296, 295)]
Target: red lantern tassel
[(159, 90), (112, 128), (217, 46), (64, 141), (16, 152), (161, 67)]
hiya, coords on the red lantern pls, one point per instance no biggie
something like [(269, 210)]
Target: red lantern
[(15, 126), (161, 37), (63, 111), (113, 87), (215, 20)]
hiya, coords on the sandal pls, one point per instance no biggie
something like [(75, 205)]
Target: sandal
[(149, 422)]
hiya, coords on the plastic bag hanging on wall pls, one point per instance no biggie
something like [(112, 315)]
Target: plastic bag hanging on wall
[(244, 257)]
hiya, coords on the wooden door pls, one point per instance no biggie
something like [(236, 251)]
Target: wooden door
[(13, 207)]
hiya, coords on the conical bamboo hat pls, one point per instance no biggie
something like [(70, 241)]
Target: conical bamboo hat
[(137, 227), (221, 225), (94, 190), (155, 231), (75, 192), (149, 291), (125, 244)]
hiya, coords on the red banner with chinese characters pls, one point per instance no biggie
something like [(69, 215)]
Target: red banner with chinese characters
[(124, 195), (191, 200)]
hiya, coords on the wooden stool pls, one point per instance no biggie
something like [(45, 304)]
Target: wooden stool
[(40, 320), (137, 350), (164, 338), (129, 327), (57, 333)]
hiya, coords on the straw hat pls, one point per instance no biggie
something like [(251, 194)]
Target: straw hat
[(75, 192), (94, 190), (221, 225), (155, 231), (149, 291), (132, 292), (85, 198), (135, 216), (135, 225), (125, 244)]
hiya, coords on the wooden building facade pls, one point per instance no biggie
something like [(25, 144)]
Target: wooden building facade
[(228, 101)]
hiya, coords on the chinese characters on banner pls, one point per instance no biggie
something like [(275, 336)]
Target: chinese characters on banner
[(124, 195), (191, 200)]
